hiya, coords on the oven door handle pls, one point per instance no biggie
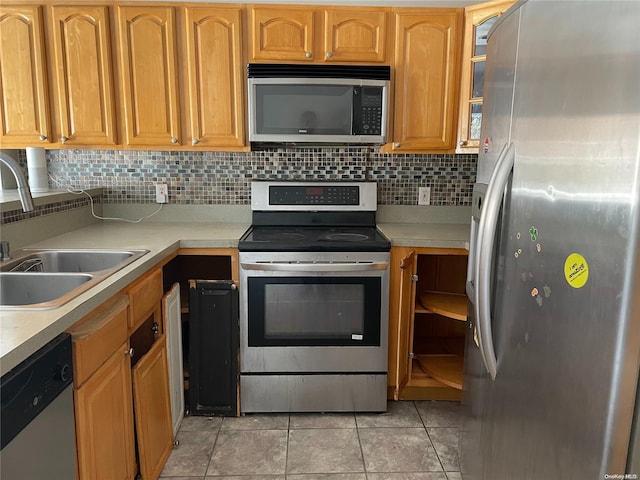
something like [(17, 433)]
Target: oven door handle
[(315, 267)]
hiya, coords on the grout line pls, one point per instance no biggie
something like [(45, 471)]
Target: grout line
[(286, 452), (213, 449), (429, 437)]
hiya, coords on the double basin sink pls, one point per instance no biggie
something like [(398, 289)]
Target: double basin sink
[(45, 279)]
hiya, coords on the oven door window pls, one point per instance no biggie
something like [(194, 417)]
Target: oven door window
[(314, 311)]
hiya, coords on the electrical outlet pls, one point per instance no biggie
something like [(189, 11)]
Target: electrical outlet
[(162, 193), (424, 195)]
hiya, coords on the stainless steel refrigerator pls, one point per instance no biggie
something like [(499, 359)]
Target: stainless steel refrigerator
[(553, 341)]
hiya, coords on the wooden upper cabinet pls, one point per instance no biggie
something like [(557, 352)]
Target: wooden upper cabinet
[(307, 34), (355, 35), (81, 51), (215, 71), (427, 58), (148, 65), (478, 20), (281, 33), (23, 85)]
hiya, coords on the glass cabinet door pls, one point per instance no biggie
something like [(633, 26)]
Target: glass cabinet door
[(479, 19)]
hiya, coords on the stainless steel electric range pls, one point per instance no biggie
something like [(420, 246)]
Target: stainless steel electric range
[(314, 287)]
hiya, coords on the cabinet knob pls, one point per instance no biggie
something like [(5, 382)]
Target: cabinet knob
[(155, 328), (174, 140), (64, 139), (462, 143), (329, 54), (129, 352), (195, 141), (396, 145), (42, 138), (308, 55)]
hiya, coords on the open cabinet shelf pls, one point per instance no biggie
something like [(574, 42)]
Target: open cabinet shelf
[(431, 300), (446, 369), (451, 305)]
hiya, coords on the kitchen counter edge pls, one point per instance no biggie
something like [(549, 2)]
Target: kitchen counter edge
[(23, 332)]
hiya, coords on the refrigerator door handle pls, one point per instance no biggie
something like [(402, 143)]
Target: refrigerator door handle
[(484, 255)]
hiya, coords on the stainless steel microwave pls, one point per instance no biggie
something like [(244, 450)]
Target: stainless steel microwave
[(318, 104)]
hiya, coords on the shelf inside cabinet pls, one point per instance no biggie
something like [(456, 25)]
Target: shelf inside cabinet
[(452, 305), (447, 369)]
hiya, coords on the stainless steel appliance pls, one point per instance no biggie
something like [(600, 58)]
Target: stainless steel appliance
[(38, 427), (314, 285), (334, 104), (553, 344)]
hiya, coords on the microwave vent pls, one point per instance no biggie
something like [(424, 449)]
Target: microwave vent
[(279, 70)]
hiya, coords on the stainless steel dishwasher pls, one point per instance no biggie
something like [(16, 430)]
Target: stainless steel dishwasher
[(37, 421)]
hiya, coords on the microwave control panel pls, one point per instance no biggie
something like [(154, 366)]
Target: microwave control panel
[(367, 110)]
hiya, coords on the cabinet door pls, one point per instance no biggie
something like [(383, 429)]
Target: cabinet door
[(478, 21), (152, 410), (215, 87), (355, 35), (104, 421), (426, 83), (402, 305), (23, 86), (82, 69), (281, 33), (149, 75)]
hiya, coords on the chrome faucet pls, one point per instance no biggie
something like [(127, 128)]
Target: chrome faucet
[(23, 187)]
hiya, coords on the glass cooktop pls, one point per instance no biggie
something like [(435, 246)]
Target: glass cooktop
[(313, 239)]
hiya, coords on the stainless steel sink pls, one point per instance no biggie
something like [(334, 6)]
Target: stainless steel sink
[(45, 279), (70, 260), (20, 289)]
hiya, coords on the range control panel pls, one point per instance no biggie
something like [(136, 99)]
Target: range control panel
[(314, 195)]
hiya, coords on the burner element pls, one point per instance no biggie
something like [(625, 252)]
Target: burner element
[(346, 237)]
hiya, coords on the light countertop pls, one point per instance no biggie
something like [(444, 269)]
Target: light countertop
[(434, 235), (23, 332)]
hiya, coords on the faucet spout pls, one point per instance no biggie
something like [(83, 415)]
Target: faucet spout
[(23, 187)]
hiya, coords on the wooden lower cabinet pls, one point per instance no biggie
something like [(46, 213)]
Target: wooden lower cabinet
[(427, 323), (119, 371), (102, 403), (152, 410)]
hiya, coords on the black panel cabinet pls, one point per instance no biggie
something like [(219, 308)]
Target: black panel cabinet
[(213, 347)]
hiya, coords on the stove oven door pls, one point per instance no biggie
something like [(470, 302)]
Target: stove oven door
[(314, 315)]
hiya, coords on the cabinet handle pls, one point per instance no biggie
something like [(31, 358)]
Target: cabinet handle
[(308, 54), (155, 328), (329, 54), (462, 143), (42, 138), (64, 139), (174, 140), (129, 352), (396, 145), (195, 141)]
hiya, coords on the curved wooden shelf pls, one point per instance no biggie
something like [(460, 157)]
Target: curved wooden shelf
[(452, 305), (447, 369)]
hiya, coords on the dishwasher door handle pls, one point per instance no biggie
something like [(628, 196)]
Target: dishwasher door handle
[(315, 266)]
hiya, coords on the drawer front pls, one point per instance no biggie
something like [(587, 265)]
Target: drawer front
[(95, 339), (144, 297)]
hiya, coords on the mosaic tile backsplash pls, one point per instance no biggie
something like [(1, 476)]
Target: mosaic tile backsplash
[(199, 178), (225, 178)]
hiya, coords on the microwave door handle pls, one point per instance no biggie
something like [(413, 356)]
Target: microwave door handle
[(315, 267)]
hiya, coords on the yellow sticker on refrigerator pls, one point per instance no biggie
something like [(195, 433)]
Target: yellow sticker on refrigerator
[(576, 270)]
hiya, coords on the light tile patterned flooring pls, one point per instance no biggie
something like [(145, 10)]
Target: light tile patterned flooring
[(411, 441)]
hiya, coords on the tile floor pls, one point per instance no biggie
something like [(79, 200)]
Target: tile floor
[(412, 441)]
